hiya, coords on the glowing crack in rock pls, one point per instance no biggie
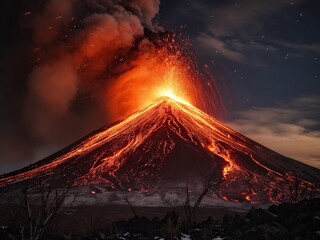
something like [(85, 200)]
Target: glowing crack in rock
[(171, 142)]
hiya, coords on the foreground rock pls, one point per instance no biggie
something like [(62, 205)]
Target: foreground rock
[(287, 221)]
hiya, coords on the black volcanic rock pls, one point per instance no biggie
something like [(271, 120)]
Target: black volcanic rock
[(302, 219), (285, 221), (260, 216), (293, 221), (167, 144), (267, 231)]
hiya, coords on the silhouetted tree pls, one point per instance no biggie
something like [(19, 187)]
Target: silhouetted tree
[(37, 206), (190, 210), (133, 210)]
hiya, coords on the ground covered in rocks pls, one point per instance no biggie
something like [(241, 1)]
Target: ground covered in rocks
[(285, 221)]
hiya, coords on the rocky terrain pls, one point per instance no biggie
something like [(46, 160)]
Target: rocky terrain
[(165, 147), (287, 221)]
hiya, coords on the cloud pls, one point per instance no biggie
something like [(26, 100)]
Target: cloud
[(236, 30), (298, 50), (221, 47), (62, 56), (55, 82), (236, 50), (312, 102), (287, 129), (149, 9)]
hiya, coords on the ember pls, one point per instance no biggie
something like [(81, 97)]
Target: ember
[(150, 146)]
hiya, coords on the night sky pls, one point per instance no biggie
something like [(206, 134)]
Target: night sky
[(265, 55), (268, 53)]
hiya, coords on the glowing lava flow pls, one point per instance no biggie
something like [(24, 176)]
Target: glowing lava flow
[(226, 156), (151, 145)]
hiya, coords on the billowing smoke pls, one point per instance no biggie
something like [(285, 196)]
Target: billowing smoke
[(78, 46), (78, 51)]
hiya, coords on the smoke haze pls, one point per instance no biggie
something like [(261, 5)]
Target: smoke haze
[(68, 50)]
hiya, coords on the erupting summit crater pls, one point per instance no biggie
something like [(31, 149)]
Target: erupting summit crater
[(168, 143)]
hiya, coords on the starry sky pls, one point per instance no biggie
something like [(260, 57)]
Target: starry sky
[(266, 54)]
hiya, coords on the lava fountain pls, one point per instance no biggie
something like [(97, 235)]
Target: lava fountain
[(158, 69), (169, 144), (159, 85)]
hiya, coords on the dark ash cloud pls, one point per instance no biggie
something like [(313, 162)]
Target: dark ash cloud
[(56, 59)]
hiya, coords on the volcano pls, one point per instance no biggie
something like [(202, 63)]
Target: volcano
[(168, 143)]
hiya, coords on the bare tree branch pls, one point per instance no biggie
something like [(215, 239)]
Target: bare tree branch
[(190, 211), (131, 207), (38, 216)]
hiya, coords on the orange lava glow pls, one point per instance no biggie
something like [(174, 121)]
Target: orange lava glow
[(230, 166), (165, 104), (157, 72), (247, 197), (109, 163)]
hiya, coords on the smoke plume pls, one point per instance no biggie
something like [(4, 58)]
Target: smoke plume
[(70, 63), (73, 50)]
